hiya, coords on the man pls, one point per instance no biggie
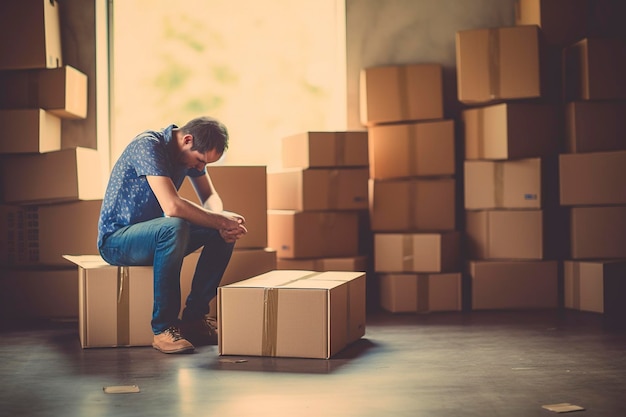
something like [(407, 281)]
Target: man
[(143, 221)]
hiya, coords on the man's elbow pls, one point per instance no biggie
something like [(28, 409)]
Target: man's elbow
[(173, 209)]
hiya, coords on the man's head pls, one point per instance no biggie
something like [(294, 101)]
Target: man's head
[(208, 134)]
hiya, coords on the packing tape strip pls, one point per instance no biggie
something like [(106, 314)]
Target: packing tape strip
[(340, 148), (498, 181), (576, 285), (423, 292), (412, 149), (403, 92), (123, 306), (494, 62), (407, 252), (333, 189), (412, 208)]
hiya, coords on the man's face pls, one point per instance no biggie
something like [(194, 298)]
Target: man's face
[(198, 160)]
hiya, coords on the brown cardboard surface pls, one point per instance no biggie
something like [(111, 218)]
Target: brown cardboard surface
[(325, 150), (396, 93), (29, 131), (595, 178), (287, 313), (351, 263), (412, 149), (416, 252), (595, 126), (598, 232), (558, 27), (420, 293), (317, 189)]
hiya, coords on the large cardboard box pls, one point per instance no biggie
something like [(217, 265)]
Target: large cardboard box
[(562, 22), (400, 93), (511, 131), (412, 205), (416, 252), (325, 150), (412, 149), (420, 293), (598, 232), (243, 189), (595, 126), (41, 235), (350, 263), (596, 286), (597, 178), (317, 189), (514, 285), (594, 69), (498, 64), (61, 91), (29, 131), (114, 303), (530, 183), (515, 234), (287, 313), (313, 234), (65, 175), (244, 264), (30, 34)]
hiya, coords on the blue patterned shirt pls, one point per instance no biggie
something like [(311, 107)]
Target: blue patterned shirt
[(128, 198)]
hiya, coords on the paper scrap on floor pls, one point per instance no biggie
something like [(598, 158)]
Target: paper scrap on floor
[(562, 407), (121, 389)]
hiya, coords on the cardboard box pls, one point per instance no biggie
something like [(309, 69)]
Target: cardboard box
[(41, 235), (412, 150), (286, 313), (243, 189), (511, 131), (30, 34), (65, 175), (412, 205), (514, 285), (60, 91), (114, 303), (595, 126), (498, 64), (29, 131), (420, 293), (594, 69), (401, 93), (515, 234), (514, 184), (598, 232), (597, 178), (596, 286), (244, 264), (351, 263), (318, 189), (313, 234), (325, 150), (562, 22), (416, 252)]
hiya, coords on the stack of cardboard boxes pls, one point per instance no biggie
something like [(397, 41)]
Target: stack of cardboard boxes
[(412, 188), (50, 194)]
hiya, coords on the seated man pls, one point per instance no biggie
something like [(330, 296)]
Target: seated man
[(143, 221)]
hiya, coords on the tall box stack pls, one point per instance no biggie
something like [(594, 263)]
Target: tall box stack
[(412, 188), (51, 197), (514, 230)]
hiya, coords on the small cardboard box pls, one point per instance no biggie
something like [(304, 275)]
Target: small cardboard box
[(594, 69), (596, 178), (412, 205), (401, 93), (30, 34), (562, 22), (596, 286), (416, 252), (65, 175), (318, 189), (114, 303), (513, 285), (498, 64), (511, 131), (325, 150), (29, 131), (287, 313), (350, 263), (514, 184), (595, 126), (598, 232), (420, 293), (243, 189), (412, 150), (313, 234), (60, 91), (31, 235), (244, 264)]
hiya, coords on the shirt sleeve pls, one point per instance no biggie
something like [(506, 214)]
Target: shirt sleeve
[(149, 157)]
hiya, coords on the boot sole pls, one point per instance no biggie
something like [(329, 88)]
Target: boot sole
[(180, 350)]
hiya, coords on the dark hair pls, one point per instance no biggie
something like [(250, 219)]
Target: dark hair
[(208, 134)]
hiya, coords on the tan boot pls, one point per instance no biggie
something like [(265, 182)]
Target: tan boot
[(170, 341)]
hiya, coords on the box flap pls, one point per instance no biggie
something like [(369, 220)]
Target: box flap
[(88, 261)]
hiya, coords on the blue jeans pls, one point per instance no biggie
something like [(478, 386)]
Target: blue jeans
[(163, 243)]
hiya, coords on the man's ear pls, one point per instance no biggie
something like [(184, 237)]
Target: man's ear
[(187, 139)]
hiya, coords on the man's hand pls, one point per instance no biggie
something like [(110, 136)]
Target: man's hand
[(233, 228)]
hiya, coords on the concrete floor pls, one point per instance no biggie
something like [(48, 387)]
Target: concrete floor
[(478, 364)]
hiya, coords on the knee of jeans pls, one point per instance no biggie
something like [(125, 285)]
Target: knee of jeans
[(176, 228)]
